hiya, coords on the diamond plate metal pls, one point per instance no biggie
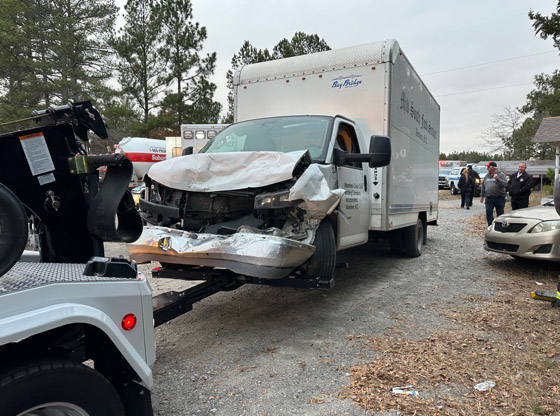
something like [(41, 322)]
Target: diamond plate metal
[(28, 275)]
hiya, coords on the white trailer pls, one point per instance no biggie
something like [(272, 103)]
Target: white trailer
[(143, 153), (376, 86)]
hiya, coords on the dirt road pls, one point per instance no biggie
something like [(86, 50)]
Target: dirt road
[(281, 351)]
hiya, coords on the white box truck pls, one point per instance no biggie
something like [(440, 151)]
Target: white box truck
[(374, 85), (286, 186)]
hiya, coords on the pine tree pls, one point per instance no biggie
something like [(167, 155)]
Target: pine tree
[(142, 71), (183, 42)]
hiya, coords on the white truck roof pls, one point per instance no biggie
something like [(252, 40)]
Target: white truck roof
[(333, 60)]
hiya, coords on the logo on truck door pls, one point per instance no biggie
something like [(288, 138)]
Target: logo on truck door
[(349, 81)]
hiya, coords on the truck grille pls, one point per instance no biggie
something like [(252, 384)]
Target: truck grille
[(512, 248), (511, 227)]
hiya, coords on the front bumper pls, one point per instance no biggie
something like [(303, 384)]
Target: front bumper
[(249, 252), (516, 240), (443, 183)]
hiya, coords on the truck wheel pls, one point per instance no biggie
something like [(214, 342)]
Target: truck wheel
[(413, 239), (13, 229), (57, 388), (323, 262), (453, 190), (396, 242)]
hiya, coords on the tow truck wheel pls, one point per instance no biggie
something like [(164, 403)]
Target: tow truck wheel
[(413, 239), (13, 229), (323, 261), (59, 388)]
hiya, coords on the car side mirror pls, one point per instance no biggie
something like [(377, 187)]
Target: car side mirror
[(379, 154), (187, 151)]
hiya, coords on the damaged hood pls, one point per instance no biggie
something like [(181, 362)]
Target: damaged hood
[(213, 172)]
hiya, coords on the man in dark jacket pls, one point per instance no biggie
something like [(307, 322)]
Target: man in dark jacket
[(477, 182), (519, 187)]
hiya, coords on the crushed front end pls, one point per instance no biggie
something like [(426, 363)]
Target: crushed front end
[(252, 212)]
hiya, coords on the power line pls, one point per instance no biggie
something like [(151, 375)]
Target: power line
[(487, 63), (485, 89)]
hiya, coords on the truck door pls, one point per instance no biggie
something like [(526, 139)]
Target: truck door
[(353, 223)]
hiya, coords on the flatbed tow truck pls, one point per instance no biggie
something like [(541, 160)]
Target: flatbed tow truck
[(76, 327)]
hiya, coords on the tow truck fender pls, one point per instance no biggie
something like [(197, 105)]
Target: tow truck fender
[(27, 324)]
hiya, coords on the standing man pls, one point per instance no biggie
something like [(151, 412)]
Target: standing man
[(476, 177), (519, 187), (493, 192)]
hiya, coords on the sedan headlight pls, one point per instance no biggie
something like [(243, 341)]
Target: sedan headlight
[(545, 226)]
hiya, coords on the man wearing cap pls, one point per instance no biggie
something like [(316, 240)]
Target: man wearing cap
[(493, 191), (519, 187)]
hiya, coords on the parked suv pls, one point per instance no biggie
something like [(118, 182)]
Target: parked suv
[(453, 179), (443, 182)]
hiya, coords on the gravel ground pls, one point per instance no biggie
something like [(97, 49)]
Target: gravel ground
[(280, 351)]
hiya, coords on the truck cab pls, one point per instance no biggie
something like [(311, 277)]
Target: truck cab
[(281, 176)]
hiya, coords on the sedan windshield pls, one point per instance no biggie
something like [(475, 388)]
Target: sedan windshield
[(277, 134)]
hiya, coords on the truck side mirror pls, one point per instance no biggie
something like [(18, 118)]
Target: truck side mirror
[(187, 151), (380, 151), (379, 154)]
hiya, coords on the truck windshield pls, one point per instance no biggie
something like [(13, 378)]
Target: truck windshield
[(277, 134)]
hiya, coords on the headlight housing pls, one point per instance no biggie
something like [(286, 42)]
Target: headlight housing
[(546, 226), (270, 200)]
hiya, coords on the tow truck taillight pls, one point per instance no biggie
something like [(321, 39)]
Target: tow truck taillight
[(129, 322)]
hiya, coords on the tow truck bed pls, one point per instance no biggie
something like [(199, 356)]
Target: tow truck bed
[(55, 314)]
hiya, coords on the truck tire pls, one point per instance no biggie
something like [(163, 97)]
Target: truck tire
[(323, 262), (13, 229), (413, 239), (396, 242), (57, 387)]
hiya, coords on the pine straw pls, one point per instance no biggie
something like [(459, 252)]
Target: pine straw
[(507, 338), (513, 343)]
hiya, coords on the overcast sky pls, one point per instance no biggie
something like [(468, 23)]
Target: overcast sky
[(436, 35)]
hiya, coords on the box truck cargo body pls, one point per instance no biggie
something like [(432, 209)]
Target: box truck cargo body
[(304, 172), (374, 85)]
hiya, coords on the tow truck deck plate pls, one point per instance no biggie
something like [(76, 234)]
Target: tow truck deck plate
[(28, 275)]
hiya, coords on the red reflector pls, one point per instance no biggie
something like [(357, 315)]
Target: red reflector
[(128, 322)]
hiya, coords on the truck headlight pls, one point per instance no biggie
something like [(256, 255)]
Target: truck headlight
[(270, 200), (546, 226), (477, 180)]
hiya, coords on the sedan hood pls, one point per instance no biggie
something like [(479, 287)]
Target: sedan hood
[(213, 172), (544, 213)]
